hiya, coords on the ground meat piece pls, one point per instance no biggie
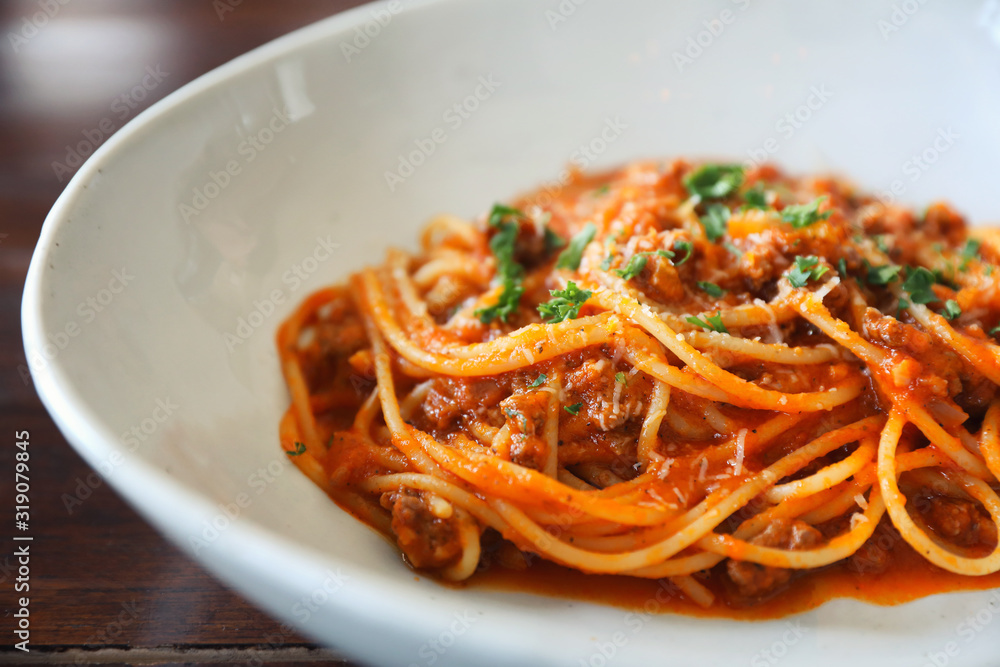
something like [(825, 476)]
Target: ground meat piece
[(875, 554), (754, 581), (449, 398), (427, 540), (659, 280), (944, 373), (526, 421), (606, 402), (764, 260), (943, 221), (960, 522)]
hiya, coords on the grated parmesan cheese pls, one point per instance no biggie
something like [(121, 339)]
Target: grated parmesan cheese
[(741, 441)]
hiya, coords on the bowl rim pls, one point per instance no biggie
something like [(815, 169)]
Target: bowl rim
[(377, 600)]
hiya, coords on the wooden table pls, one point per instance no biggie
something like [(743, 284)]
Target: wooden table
[(105, 587)]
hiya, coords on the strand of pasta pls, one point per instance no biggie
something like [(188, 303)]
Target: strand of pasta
[(740, 392), (497, 356), (814, 311), (915, 537)]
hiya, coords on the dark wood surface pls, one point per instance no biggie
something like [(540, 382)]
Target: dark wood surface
[(105, 587)]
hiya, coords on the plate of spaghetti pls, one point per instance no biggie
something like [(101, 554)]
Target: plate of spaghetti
[(739, 381), (558, 333)]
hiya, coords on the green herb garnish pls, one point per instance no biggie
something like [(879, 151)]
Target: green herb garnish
[(804, 270), (803, 215), (300, 449), (509, 271), (969, 253), (714, 323), (573, 409), (951, 309), (565, 305), (711, 289), (755, 197), (715, 221), (620, 378), (638, 262), (571, 256), (918, 284), (882, 275), (714, 181), (552, 240), (686, 248), (539, 381)]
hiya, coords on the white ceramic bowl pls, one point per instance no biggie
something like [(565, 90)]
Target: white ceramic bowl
[(163, 270)]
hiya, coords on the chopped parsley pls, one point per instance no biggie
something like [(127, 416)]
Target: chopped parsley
[(969, 253), (714, 323), (881, 242), (918, 283), (606, 262), (803, 215), (573, 409), (715, 221), (620, 378), (995, 330), (755, 197), (565, 305), (571, 256), (714, 181), (733, 250), (804, 270), (539, 381), (509, 271), (882, 275), (842, 267), (552, 240), (514, 414), (603, 190), (711, 289), (638, 262), (300, 449), (951, 309), (500, 213), (686, 248)]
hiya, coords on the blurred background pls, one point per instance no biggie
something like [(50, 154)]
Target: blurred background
[(105, 588)]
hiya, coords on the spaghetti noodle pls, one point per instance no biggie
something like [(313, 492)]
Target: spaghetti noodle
[(723, 376)]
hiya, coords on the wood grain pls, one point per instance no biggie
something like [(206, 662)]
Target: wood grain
[(105, 587)]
